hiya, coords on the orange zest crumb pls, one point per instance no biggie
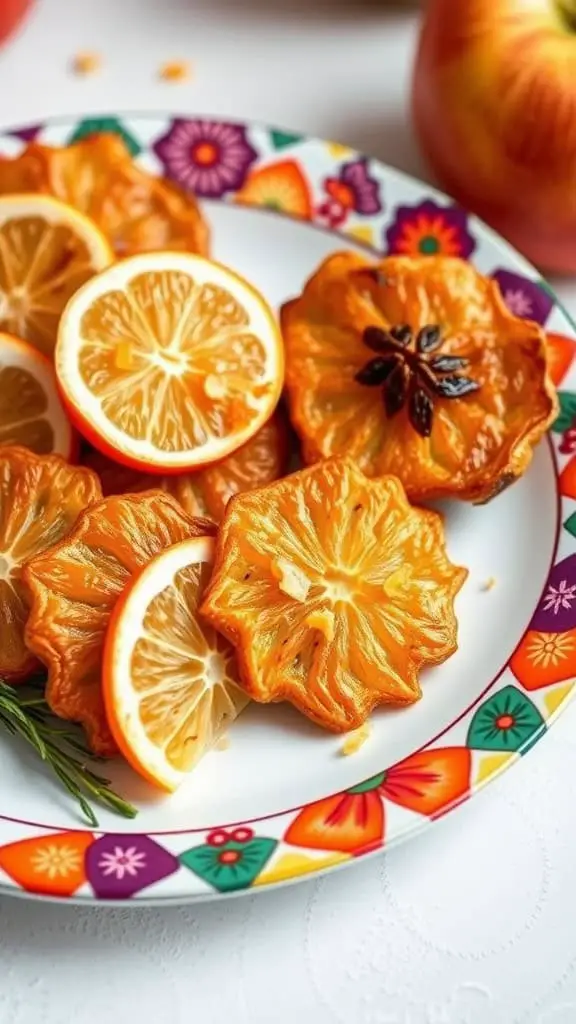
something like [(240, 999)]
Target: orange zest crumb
[(292, 580), (489, 584), (323, 620), (355, 740), (86, 63), (175, 71)]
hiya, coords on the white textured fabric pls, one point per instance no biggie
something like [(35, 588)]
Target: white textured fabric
[(472, 922)]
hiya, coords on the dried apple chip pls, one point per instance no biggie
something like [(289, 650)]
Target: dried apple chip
[(334, 591)]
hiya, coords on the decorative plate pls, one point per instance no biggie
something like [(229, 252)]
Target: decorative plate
[(282, 803)]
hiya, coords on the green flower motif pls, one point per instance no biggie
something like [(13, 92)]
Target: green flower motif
[(567, 412), (94, 125), (429, 245), (229, 860), (507, 721)]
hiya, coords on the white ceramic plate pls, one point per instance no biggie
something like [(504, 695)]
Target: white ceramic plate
[(281, 802)]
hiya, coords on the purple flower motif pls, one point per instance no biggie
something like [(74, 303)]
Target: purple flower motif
[(122, 861), (524, 298), (429, 229), (518, 302), (365, 190), (559, 597), (209, 158), (556, 612), (353, 189), (117, 866)]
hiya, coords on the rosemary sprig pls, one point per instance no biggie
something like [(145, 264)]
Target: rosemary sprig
[(24, 713)]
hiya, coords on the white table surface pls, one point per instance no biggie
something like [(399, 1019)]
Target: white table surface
[(473, 922)]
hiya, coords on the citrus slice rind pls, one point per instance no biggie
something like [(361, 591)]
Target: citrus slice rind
[(169, 678), (47, 250), (31, 414), (168, 362), (73, 588)]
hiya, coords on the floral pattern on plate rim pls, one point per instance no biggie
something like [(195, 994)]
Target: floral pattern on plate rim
[(227, 161)]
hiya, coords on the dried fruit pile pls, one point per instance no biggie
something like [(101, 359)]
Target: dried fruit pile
[(179, 572)]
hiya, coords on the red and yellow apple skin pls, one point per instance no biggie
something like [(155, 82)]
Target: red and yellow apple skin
[(494, 102)]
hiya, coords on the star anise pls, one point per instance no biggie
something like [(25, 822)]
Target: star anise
[(412, 372)]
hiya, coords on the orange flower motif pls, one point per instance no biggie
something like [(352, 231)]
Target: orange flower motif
[(542, 659), (428, 783), (341, 192), (548, 649), (430, 230), (354, 190), (559, 353), (351, 822), (281, 186), (53, 865)]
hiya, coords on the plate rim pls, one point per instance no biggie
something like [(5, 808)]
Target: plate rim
[(314, 860)]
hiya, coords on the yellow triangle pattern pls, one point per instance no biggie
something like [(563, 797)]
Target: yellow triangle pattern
[(337, 150), (290, 865), (362, 233), (489, 765), (553, 700)]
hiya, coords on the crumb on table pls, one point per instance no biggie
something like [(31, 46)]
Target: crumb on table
[(86, 63), (355, 740), (488, 584), (175, 71), (223, 743)]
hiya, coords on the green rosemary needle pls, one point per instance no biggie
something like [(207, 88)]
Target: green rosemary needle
[(24, 713)]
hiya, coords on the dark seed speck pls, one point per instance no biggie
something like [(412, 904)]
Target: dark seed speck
[(456, 387), (395, 390), (402, 333), (447, 364), (376, 371), (376, 339), (429, 338), (421, 412)]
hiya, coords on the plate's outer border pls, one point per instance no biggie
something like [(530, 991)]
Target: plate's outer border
[(337, 189)]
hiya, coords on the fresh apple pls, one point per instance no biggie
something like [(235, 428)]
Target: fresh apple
[(494, 102), (11, 14)]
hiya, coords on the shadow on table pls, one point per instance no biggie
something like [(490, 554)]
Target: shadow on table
[(33, 927), (388, 137), (305, 12)]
